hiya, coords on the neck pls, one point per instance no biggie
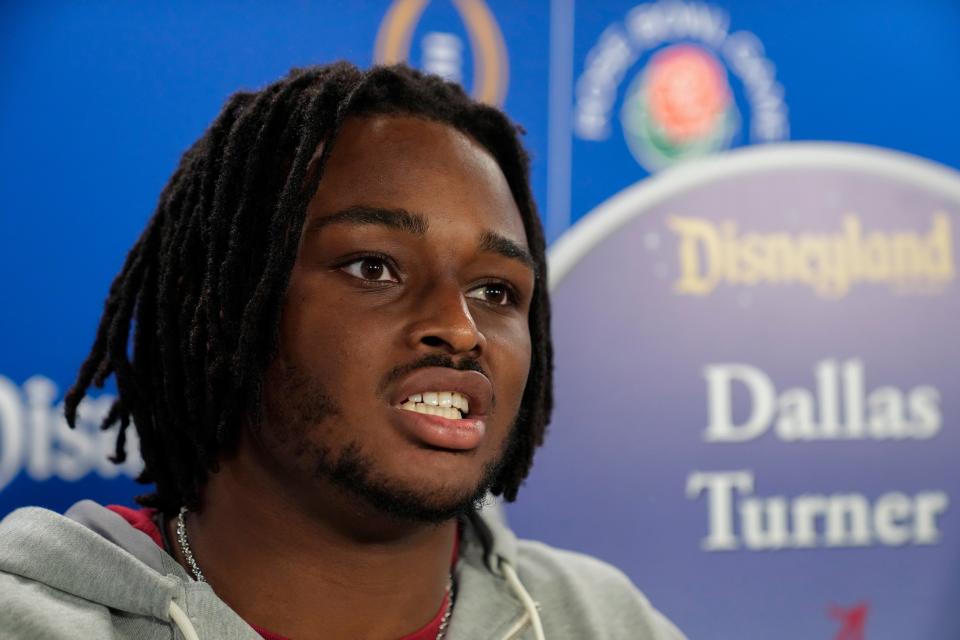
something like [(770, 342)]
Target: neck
[(320, 567)]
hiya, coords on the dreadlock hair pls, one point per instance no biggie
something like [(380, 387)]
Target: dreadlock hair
[(203, 287)]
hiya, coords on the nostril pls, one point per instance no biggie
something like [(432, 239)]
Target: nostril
[(432, 341)]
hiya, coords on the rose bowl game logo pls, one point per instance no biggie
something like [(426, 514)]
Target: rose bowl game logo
[(679, 106), (694, 87)]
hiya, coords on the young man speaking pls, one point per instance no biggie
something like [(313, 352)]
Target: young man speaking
[(340, 344)]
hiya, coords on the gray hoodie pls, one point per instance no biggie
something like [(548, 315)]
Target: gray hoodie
[(89, 574)]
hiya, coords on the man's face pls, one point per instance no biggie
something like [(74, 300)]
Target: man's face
[(412, 286)]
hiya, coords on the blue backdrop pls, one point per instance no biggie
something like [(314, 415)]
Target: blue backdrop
[(98, 101)]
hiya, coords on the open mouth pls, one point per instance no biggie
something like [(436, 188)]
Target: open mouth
[(445, 404)]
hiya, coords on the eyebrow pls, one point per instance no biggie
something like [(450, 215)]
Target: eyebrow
[(416, 224), (496, 243), (400, 219)]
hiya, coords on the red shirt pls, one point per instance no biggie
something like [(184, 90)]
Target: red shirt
[(142, 520)]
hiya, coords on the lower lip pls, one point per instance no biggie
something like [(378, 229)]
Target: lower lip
[(442, 433)]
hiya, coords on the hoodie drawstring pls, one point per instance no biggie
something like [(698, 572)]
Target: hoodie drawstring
[(524, 595), (182, 621)]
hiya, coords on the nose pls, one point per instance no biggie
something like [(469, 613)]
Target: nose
[(443, 321)]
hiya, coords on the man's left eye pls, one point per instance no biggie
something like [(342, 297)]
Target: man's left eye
[(370, 268), (493, 293)]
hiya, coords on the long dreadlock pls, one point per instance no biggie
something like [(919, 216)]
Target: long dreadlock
[(203, 287)]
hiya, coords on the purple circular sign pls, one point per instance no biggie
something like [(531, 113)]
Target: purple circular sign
[(757, 394)]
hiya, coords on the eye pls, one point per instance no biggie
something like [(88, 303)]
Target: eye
[(496, 293), (370, 268)]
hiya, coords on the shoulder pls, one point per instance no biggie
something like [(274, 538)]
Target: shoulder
[(35, 610), (60, 578), (580, 594), (31, 607)]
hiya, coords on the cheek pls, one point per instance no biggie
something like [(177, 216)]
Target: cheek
[(338, 348), (311, 337), (511, 364)]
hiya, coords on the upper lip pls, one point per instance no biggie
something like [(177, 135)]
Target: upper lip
[(472, 384)]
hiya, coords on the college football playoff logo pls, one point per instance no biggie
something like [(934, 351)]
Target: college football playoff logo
[(489, 52)]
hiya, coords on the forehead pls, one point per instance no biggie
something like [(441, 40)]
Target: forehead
[(421, 166)]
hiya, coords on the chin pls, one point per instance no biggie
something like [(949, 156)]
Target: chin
[(428, 500)]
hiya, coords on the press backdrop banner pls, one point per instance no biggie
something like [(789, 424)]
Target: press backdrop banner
[(757, 393)]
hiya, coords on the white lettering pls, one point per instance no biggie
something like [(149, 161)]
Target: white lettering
[(924, 405), (442, 55), (34, 436), (650, 25), (795, 420), (721, 427), (839, 408), (596, 89), (11, 430), (745, 55), (764, 523), (720, 488), (889, 519), (40, 393), (806, 509), (826, 374), (926, 509), (835, 520), (854, 392), (848, 521)]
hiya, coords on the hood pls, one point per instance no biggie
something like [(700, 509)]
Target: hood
[(95, 555), (502, 606)]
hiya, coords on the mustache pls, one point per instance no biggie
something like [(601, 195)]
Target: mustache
[(432, 360)]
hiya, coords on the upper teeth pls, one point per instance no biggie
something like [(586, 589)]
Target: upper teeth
[(447, 404)]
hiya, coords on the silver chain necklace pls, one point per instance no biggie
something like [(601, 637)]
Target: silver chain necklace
[(185, 546), (187, 552)]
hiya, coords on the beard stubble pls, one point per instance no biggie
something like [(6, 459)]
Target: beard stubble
[(296, 407)]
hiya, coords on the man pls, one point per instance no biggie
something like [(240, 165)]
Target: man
[(341, 345)]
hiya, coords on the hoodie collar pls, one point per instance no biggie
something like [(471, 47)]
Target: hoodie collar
[(485, 601), (489, 539), (96, 555)]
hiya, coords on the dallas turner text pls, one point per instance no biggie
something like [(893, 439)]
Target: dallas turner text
[(838, 407)]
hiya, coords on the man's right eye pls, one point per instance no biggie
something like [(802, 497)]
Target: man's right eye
[(370, 268)]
